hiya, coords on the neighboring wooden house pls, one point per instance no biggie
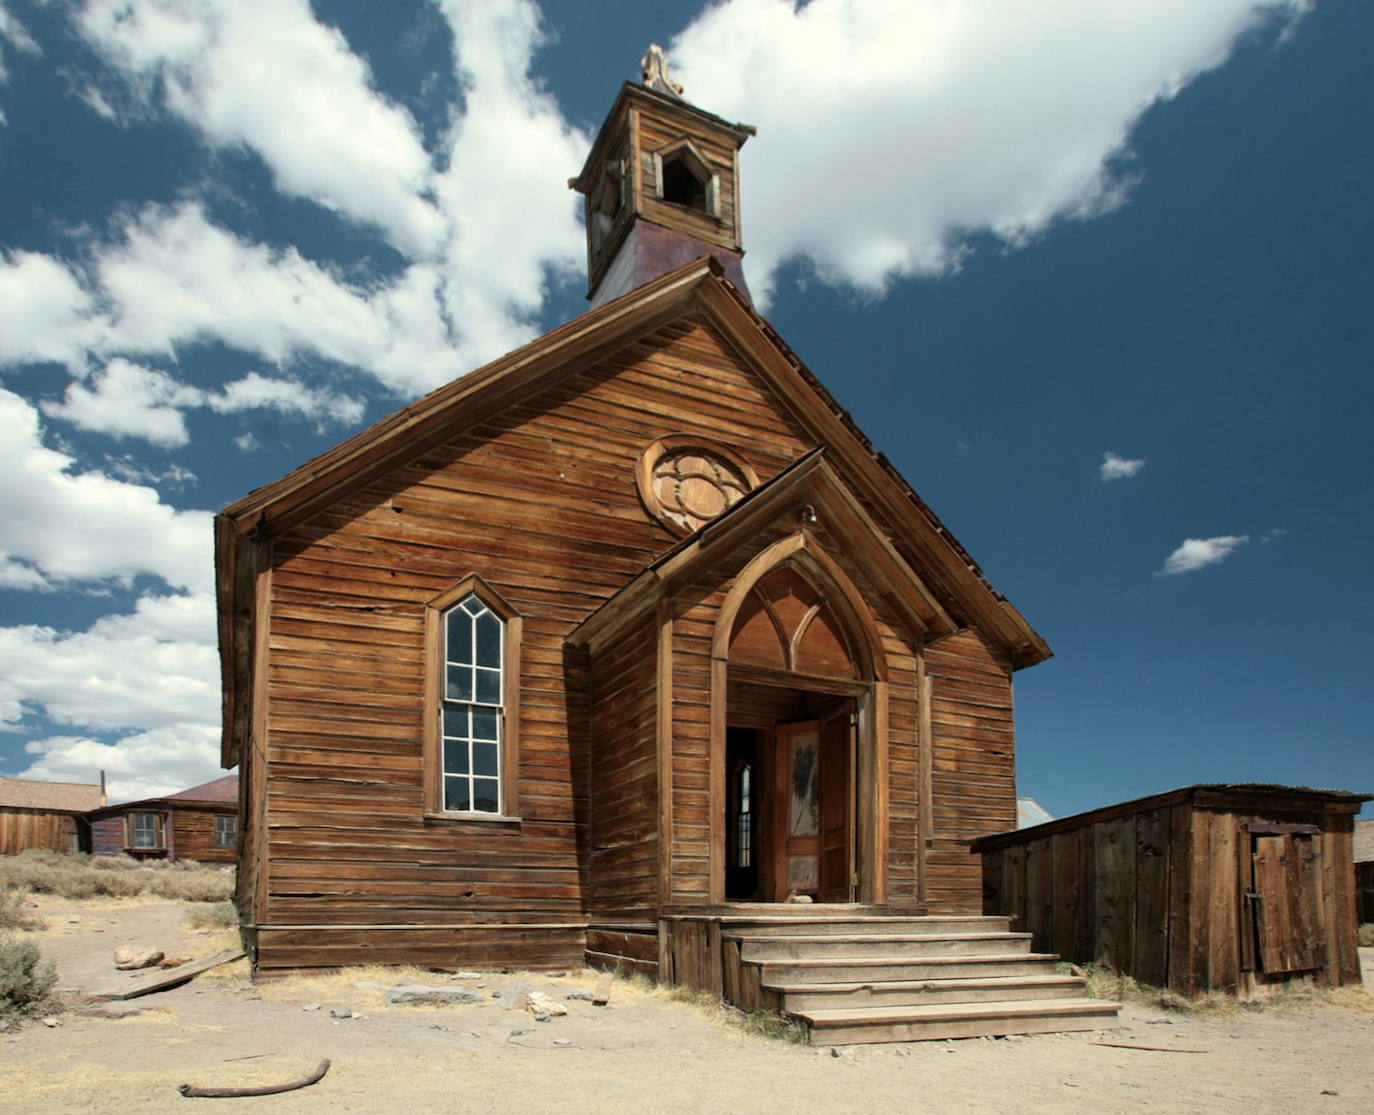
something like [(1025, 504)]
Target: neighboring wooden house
[(1364, 871), (200, 824), (615, 642), (1216, 886), (45, 814)]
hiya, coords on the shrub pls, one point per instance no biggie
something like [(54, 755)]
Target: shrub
[(25, 986), (212, 915), (13, 915), (81, 876), (1367, 935)]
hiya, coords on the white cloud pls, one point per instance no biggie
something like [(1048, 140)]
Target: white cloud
[(14, 33), (141, 765), (888, 129), (1115, 467), (246, 441), (266, 75), (84, 526), (42, 310), (1198, 553), (128, 400)]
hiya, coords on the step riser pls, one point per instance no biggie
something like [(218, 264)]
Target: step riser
[(882, 996), (860, 928), (973, 1028), (762, 949), (776, 972)]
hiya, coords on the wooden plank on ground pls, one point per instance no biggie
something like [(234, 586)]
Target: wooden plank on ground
[(602, 995), (162, 979)]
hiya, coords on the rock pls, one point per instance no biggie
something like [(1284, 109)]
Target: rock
[(514, 997), (129, 957), (172, 961), (370, 985), (110, 1010), (562, 1041), (340, 1012), (415, 993), (244, 986), (466, 975), (50, 1022), (542, 1016), (579, 993), (311, 1006), (542, 1004)]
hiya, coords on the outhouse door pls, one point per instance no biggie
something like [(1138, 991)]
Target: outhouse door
[(1285, 896)]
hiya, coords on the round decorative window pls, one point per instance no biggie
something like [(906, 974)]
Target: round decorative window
[(685, 482)]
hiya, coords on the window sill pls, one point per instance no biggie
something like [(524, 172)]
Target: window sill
[(473, 818)]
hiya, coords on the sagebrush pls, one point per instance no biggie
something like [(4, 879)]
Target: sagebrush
[(26, 984), (13, 915), (79, 876), (1367, 935)]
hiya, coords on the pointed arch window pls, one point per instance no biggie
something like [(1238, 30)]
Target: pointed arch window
[(471, 720)]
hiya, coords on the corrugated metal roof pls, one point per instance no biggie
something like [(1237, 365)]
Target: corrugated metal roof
[(65, 797)]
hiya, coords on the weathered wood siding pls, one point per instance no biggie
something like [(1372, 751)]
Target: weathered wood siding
[(192, 835), (719, 153), (973, 765), (21, 829), (1156, 890), (108, 836), (541, 502), (624, 849)]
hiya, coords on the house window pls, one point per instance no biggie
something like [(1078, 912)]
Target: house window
[(226, 829), (145, 830), (472, 661)]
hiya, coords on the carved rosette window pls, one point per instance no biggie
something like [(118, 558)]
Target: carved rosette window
[(686, 482)]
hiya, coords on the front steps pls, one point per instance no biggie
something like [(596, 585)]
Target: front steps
[(864, 977)]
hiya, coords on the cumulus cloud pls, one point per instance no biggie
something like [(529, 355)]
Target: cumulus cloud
[(140, 765), (84, 526), (266, 75), (1115, 467), (889, 129), (43, 310), (128, 400), (1198, 553)]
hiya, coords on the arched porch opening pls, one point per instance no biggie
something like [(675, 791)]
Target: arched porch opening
[(798, 710)]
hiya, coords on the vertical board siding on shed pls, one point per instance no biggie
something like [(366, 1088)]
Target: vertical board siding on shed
[(1158, 893), (22, 828)]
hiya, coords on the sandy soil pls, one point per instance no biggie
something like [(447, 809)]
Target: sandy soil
[(643, 1052)]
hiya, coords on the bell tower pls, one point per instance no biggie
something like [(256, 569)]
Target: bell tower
[(661, 186)]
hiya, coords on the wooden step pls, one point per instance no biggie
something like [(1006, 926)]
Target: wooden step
[(797, 997), (959, 1020), (884, 969), (768, 926), (906, 945)]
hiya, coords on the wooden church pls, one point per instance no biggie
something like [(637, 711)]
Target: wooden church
[(629, 648)]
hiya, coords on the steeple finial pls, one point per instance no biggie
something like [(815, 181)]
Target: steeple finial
[(653, 68)]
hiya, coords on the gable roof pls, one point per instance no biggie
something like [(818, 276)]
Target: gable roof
[(220, 791), (699, 287), (56, 797)]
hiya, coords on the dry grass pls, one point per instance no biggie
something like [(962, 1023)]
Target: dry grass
[(26, 984), (211, 915), (1291, 998), (759, 1023), (1367, 935), (81, 877), (13, 915)]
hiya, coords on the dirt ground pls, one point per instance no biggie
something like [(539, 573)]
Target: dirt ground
[(643, 1052)]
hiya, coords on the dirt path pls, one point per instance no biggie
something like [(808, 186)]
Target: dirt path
[(643, 1053)]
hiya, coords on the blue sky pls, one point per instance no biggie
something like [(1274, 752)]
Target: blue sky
[(1097, 278)]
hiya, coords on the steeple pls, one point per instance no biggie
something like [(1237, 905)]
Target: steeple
[(661, 185)]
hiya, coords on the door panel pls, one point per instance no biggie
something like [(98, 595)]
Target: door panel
[(1287, 877), (837, 762), (797, 809)]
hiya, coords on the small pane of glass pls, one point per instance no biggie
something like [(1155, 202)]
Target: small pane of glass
[(488, 686), (459, 683), (488, 641), (485, 722), (472, 605), (456, 721), (455, 756), (486, 795), (484, 759), (457, 795), (459, 637)]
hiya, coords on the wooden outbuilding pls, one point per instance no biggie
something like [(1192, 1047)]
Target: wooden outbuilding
[(1228, 887), (200, 824), (1364, 871), (617, 644), (48, 815)]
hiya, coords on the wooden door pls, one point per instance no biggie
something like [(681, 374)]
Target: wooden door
[(1287, 900), (837, 777), (797, 811)]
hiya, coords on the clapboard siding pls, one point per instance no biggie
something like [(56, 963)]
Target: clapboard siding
[(973, 761)]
